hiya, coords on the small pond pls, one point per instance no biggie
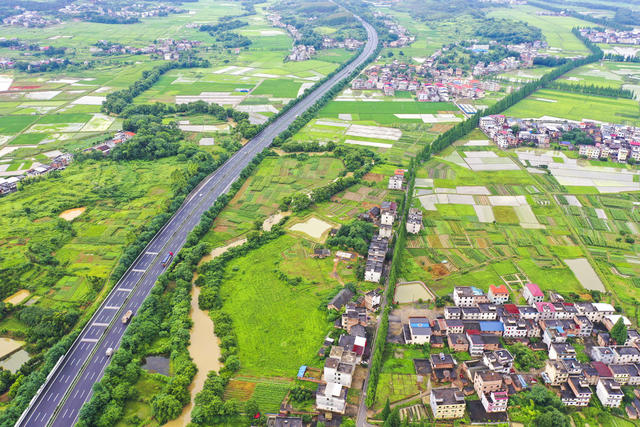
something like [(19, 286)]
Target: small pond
[(157, 364)]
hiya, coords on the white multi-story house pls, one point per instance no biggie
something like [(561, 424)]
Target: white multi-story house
[(590, 151), (339, 366), (332, 397), (468, 296), (496, 401), (414, 221), (396, 182), (603, 354), (532, 293), (626, 354), (609, 392), (498, 294)]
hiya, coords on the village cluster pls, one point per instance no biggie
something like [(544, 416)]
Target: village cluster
[(301, 52), (350, 350), (400, 33), (433, 82), (611, 36), (448, 84), (168, 49), (479, 322), (60, 162), (132, 11), (29, 19), (604, 141)]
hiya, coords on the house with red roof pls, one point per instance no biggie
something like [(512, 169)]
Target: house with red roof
[(532, 293), (498, 294)]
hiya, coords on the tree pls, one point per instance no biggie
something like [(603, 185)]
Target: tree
[(393, 420), (552, 418), (619, 332), (165, 407), (386, 410)]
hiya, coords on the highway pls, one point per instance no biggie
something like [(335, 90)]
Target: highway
[(69, 385)]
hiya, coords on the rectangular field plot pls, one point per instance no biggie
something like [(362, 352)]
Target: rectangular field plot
[(577, 107)]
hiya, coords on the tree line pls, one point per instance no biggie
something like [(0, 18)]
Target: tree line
[(613, 92), (396, 260), (117, 101)]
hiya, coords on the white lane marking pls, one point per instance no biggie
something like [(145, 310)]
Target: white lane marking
[(64, 415), (56, 398)]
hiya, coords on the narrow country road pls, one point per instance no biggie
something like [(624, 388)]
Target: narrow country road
[(69, 385)]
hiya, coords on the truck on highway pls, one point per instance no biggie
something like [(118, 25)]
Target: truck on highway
[(127, 317), (109, 352), (167, 259)]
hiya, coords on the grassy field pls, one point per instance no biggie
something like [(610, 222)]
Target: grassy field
[(605, 73), (261, 195), (577, 107), (119, 198), (556, 29), (278, 87), (277, 341)]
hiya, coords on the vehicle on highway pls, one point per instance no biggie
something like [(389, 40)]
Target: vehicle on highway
[(109, 352), (127, 317), (167, 259)]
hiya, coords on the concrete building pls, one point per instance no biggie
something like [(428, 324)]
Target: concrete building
[(609, 392), (339, 366), (496, 401), (498, 294), (332, 397), (447, 403), (532, 293)]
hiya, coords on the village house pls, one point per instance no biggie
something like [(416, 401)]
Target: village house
[(414, 221), (626, 354), (340, 300), (498, 361), (602, 354), (495, 401), (468, 296), (419, 331), (443, 367), (339, 366), (353, 315), (396, 182), (388, 212), (556, 372), (458, 342), (498, 294), (372, 300), (331, 397), (532, 293), (609, 393), (447, 403), (561, 351), (487, 381), (576, 391)]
